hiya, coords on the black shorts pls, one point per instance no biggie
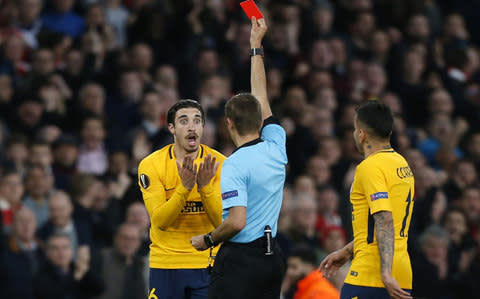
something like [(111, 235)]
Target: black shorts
[(244, 271)]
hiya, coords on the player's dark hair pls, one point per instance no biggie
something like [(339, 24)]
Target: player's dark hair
[(183, 104), (245, 112), (377, 117), (305, 253)]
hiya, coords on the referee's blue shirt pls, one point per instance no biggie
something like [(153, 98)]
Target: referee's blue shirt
[(253, 177)]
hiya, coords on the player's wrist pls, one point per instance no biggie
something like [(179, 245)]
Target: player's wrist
[(255, 44), (207, 238)]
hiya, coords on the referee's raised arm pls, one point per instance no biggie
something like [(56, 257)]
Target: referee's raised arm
[(258, 79)]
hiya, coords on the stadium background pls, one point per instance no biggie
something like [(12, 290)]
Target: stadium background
[(85, 85)]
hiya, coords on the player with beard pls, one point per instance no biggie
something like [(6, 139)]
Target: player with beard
[(180, 184), (382, 202)]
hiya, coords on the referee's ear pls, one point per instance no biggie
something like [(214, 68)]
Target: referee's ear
[(229, 123)]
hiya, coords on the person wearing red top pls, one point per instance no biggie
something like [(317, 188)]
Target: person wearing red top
[(303, 280)]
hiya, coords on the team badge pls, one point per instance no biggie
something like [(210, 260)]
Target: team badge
[(144, 180)]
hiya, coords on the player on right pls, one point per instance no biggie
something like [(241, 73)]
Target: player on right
[(382, 203)]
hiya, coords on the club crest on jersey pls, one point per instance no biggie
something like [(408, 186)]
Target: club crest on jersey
[(144, 180), (378, 195), (229, 194)]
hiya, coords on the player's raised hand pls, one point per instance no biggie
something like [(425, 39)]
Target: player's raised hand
[(259, 28), (393, 289), (333, 262), (187, 172), (206, 171)]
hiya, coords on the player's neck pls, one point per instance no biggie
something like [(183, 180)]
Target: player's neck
[(373, 147), (181, 153), (241, 140)]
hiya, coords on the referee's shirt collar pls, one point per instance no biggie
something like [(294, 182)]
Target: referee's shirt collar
[(250, 143)]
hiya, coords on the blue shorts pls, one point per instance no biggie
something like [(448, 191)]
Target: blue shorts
[(358, 292), (178, 284)]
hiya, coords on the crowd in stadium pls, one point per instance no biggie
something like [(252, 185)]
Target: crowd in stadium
[(84, 90)]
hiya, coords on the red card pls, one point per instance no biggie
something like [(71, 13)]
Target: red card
[(251, 9)]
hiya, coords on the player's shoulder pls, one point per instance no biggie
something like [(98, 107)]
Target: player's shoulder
[(213, 152), (156, 156)]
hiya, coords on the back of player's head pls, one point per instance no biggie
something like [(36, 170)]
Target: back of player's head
[(181, 105), (377, 118), (306, 254), (245, 112)]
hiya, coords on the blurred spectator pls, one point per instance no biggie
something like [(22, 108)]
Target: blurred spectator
[(28, 21), (462, 175), (362, 27), (304, 185), (319, 170), (92, 155), (117, 16), (63, 19), (40, 154), (440, 102), (461, 252), (302, 229), (153, 124), (106, 215), (441, 147), (38, 184), (473, 150), (16, 152), (62, 221), (142, 60), (11, 192), (431, 265), (61, 277), (137, 215), (120, 264), (23, 258), (65, 153), (470, 202), (302, 278), (327, 209)]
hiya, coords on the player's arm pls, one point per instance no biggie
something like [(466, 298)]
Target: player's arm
[(258, 79), (385, 234), (385, 239), (234, 199), (162, 212), (233, 224), (208, 182), (335, 260)]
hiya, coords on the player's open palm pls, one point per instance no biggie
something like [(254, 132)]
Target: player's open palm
[(333, 262), (207, 170), (187, 172), (393, 289)]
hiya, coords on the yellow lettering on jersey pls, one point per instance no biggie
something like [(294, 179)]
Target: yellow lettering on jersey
[(152, 294)]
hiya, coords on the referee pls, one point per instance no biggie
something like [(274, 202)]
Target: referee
[(249, 264)]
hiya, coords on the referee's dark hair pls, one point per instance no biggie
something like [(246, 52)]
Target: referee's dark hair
[(305, 253), (377, 117), (245, 112), (183, 104)]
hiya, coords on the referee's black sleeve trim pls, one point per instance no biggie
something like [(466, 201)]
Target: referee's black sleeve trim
[(270, 120)]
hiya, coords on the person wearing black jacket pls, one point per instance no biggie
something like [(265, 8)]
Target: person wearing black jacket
[(61, 278)]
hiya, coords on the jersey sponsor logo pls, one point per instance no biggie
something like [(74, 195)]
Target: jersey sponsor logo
[(378, 195), (354, 273), (193, 207), (229, 194), (144, 180), (404, 172)]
